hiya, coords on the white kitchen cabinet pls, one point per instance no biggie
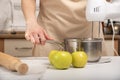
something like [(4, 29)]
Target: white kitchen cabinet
[(18, 47)]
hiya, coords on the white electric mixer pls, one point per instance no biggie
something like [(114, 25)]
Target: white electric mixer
[(101, 10)]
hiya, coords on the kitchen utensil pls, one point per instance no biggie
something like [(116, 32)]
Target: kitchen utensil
[(93, 48), (101, 61), (72, 44), (99, 29), (58, 44), (36, 70), (33, 50), (92, 29), (13, 63), (69, 44)]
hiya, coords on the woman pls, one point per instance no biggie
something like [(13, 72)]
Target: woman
[(57, 19)]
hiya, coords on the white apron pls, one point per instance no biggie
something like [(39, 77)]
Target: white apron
[(64, 19)]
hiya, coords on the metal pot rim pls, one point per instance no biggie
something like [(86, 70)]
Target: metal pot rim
[(84, 39), (73, 39), (92, 40)]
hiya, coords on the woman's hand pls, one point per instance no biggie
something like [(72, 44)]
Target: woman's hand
[(36, 34)]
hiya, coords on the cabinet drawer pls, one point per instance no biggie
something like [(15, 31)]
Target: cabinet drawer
[(18, 47)]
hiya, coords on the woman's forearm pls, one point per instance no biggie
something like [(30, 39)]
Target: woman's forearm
[(29, 9)]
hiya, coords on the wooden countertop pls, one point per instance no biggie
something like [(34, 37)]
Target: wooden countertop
[(109, 37), (21, 35), (17, 35)]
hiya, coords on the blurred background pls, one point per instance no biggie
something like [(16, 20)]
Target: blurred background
[(11, 16)]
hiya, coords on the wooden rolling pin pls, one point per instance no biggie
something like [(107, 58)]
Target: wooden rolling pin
[(13, 63)]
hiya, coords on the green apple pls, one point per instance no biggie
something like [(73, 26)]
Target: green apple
[(79, 59), (62, 60), (51, 55)]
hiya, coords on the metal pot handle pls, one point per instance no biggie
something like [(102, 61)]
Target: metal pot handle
[(60, 45)]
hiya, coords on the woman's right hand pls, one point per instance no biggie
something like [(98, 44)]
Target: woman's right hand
[(36, 34)]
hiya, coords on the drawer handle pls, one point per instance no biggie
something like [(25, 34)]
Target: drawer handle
[(23, 48)]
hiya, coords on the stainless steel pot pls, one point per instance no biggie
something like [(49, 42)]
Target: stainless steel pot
[(72, 44), (93, 48), (69, 44)]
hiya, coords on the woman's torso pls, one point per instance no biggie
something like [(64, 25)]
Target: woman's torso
[(65, 18)]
